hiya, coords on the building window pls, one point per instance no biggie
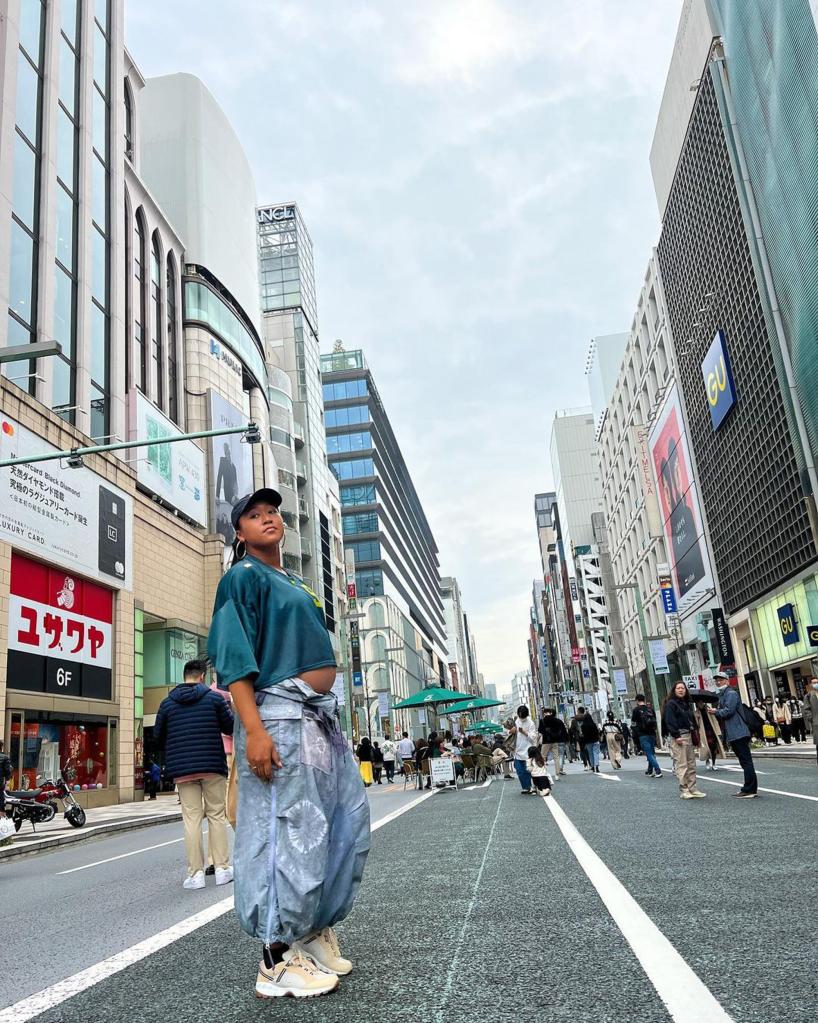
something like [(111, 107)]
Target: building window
[(156, 326), (173, 346), (363, 493), (100, 227), (369, 582), (353, 468), (350, 415), (344, 389), (139, 303), (365, 550), (342, 443), (362, 522), (128, 121)]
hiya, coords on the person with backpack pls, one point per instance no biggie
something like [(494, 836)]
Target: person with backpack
[(799, 731), (614, 740), (736, 721), (643, 722)]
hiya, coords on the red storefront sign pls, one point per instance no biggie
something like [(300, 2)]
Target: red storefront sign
[(60, 632)]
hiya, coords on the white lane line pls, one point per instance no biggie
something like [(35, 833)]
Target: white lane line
[(738, 785), (731, 767), (122, 856), (28, 1008), (686, 997), (607, 777), (442, 1012)]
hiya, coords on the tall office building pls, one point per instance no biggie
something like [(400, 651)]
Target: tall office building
[(734, 150), (383, 519), (462, 654), (290, 328)]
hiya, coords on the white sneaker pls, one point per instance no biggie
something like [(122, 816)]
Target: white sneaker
[(224, 875), (191, 884), (323, 947), (296, 976)]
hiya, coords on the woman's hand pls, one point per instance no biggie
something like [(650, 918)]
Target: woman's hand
[(262, 755)]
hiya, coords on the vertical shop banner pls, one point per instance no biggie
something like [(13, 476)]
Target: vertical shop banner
[(174, 472), (718, 380), (658, 656), (788, 624), (724, 646), (383, 705), (69, 517), (681, 514), (231, 465), (640, 436), (60, 632), (620, 681)]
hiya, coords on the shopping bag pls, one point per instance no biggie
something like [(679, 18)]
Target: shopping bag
[(769, 731)]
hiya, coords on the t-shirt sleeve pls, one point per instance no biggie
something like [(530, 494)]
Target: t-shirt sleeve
[(231, 643)]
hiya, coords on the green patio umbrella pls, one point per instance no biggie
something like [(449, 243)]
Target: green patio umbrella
[(470, 703), (489, 727), (431, 696)]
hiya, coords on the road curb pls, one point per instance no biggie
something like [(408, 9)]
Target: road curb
[(82, 835)]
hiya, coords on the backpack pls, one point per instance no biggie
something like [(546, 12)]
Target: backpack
[(647, 719), (6, 770), (752, 720)]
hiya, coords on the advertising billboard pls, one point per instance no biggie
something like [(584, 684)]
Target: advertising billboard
[(231, 465), (175, 472), (60, 632), (681, 515), (69, 517)]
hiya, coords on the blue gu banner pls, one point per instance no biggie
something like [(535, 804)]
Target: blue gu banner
[(718, 380)]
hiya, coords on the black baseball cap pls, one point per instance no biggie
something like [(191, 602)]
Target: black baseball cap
[(243, 503)]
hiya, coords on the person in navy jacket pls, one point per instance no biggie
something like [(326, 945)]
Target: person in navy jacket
[(189, 725)]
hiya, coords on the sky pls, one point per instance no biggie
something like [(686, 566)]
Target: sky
[(474, 176)]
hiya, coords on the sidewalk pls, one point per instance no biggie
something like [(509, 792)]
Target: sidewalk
[(100, 821), (800, 751)]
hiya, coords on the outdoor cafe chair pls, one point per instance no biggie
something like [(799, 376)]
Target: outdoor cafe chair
[(469, 765)]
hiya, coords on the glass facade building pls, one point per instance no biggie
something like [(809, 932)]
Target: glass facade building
[(383, 520)]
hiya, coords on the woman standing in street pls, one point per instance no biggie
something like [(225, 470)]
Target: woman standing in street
[(782, 719), (799, 732), (365, 757), (679, 722), (613, 739), (302, 829)]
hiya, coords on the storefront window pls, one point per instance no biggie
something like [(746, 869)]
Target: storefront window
[(78, 746)]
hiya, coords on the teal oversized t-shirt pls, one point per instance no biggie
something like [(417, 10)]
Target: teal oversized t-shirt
[(267, 626)]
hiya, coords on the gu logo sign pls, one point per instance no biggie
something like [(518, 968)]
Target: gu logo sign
[(718, 380)]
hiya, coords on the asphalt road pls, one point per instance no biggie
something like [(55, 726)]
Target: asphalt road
[(476, 905)]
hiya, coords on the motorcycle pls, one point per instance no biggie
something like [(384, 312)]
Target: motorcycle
[(51, 791), (40, 805), (20, 807)]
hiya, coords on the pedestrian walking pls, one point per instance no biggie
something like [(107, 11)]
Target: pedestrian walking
[(736, 732), (6, 772), (388, 747), (810, 706), (302, 833), (189, 726), (377, 763), (770, 730), (589, 736), (614, 740), (680, 723), (644, 724), (154, 778), (538, 770), (782, 719), (575, 736), (626, 738), (799, 731), (525, 736), (365, 761), (554, 736)]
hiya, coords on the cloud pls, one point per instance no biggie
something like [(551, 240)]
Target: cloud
[(474, 177)]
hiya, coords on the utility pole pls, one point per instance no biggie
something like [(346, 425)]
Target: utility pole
[(645, 643)]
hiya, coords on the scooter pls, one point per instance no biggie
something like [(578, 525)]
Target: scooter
[(50, 791)]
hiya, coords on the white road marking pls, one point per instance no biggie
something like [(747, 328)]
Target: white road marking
[(687, 998), (442, 1012), (731, 767), (607, 777), (28, 1008), (121, 856), (32, 841), (738, 785)]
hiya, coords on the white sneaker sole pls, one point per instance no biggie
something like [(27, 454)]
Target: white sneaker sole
[(223, 881), (273, 991)]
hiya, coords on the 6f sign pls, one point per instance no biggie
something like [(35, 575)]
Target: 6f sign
[(718, 380)]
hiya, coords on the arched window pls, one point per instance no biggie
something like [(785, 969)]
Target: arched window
[(378, 648), (173, 356), (156, 325), (128, 121), (139, 257)]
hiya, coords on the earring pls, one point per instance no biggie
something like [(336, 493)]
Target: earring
[(241, 543)]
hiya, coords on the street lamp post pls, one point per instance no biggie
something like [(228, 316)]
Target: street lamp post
[(645, 644)]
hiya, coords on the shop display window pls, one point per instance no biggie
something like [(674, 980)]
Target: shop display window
[(53, 743)]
